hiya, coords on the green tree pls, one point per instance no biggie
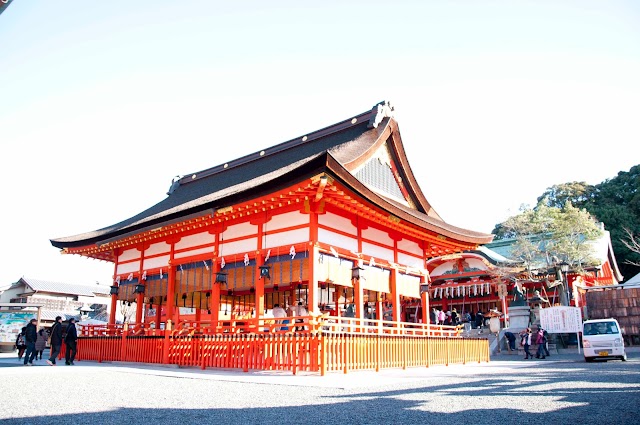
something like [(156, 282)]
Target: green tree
[(547, 234), (616, 203), (578, 193)]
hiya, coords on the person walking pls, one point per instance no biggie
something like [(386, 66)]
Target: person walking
[(30, 336), (479, 320), (540, 340), (41, 342), (21, 343), (56, 341), (546, 342), (526, 338), (70, 340)]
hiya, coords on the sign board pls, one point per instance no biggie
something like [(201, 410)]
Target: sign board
[(11, 323), (502, 290), (561, 319)]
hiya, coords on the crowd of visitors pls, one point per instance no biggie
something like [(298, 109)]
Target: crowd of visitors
[(31, 342)]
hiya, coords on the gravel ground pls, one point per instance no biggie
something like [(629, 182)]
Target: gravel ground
[(562, 389)]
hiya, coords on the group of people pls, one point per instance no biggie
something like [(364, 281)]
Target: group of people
[(32, 342), (453, 318), (527, 338), (441, 317), (297, 311)]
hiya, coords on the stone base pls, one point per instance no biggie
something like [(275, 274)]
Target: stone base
[(519, 317)]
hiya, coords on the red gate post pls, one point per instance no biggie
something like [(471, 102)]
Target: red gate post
[(123, 345), (167, 341), (245, 365)]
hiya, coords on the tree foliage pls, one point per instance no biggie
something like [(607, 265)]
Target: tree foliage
[(614, 202), (549, 234), (578, 193)]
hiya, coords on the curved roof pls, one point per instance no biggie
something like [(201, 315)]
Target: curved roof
[(338, 149)]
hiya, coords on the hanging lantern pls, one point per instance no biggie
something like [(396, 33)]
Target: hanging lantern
[(264, 272)]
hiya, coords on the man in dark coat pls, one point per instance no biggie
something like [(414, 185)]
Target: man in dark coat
[(30, 336), (70, 340), (56, 341)]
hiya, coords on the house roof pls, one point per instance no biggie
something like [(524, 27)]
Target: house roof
[(338, 149), (634, 281), (38, 285)]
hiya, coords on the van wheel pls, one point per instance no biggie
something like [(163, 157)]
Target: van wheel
[(588, 359), (624, 358)]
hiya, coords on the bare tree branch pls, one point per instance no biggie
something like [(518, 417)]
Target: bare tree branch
[(633, 243)]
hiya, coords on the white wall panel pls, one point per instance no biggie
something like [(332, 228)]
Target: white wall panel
[(411, 261), (158, 248), (410, 246), (290, 219), (337, 222), (127, 268), (207, 250), (377, 235), (288, 238), (239, 247), (204, 238), (152, 263), (337, 240), (130, 254), (240, 230), (376, 251)]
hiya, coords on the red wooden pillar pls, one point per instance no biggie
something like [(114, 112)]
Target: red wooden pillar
[(395, 296), (214, 299), (171, 290), (379, 306), (312, 289), (114, 306), (140, 296), (114, 297), (158, 313), (139, 307), (424, 299), (358, 295)]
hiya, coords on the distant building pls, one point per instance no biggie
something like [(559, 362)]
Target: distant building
[(60, 299)]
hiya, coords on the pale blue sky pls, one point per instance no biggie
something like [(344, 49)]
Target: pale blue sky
[(104, 102)]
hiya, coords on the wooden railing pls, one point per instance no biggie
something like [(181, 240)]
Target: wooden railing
[(321, 344)]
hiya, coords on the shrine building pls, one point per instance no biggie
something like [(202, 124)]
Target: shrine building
[(333, 220)]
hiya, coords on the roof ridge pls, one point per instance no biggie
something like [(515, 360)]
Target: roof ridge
[(374, 116)]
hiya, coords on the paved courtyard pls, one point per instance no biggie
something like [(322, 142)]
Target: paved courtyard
[(562, 389)]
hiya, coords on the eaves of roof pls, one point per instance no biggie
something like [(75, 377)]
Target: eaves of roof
[(338, 148)]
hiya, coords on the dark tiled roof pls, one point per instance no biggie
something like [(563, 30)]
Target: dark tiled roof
[(261, 173)]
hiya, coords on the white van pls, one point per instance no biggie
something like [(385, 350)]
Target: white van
[(602, 339)]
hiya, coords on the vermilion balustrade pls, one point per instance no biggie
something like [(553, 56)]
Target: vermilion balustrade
[(319, 344)]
